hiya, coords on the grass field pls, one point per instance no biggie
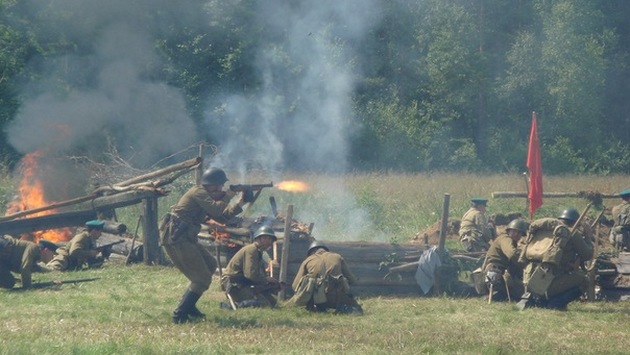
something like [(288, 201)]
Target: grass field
[(127, 311)]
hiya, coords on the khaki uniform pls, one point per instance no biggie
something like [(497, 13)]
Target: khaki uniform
[(76, 254), (21, 257), (474, 233), (620, 232), (323, 281), (179, 231), (570, 275), (245, 278), (502, 257)]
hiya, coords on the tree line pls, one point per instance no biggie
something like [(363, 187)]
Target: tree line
[(445, 85)]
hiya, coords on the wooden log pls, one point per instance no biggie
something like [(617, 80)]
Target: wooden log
[(511, 194), (53, 221), (47, 208), (167, 170)]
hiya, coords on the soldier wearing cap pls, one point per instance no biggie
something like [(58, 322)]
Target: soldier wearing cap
[(323, 282), (179, 230), (245, 280), (81, 249), (501, 265), (21, 257), (475, 233), (620, 232)]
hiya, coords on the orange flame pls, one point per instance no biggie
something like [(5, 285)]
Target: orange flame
[(31, 195), (292, 186)]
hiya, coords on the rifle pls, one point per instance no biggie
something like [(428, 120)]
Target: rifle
[(105, 249), (245, 187), (61, 282), (270, 286)]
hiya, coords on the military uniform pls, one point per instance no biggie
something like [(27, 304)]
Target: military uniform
[(502, 258), (576, 251), (323, 281), (179, 234), (620, 232), (76, 254), (18, 256), (245, 278), (474, 233)]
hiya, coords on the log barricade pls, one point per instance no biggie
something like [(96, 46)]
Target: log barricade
[(363, 259)]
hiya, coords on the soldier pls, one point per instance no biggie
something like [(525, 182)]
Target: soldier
[(553, 276), (245, 281), (475, 233), (179, 230), (501, 265), (323, 281), (19, 256), (620, 232), (81, 250)]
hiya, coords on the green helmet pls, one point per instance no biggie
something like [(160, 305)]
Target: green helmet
[(570, 214), (519, 224), (213, 176), (316, 244), (265, 230)]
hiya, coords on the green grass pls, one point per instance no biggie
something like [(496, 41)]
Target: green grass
[(127, 311)]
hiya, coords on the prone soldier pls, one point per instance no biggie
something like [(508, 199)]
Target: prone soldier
[(81, 250)]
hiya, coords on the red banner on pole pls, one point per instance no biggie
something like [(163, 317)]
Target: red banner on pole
[(534, 164)]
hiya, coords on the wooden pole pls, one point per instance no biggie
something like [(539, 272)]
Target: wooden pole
[(133, 241), (167, 170), (284, 262), (444, 225), (199, 170), (150, 233), (437, 289)]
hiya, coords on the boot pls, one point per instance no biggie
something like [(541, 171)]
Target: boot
[(185, 307), (560, 301)]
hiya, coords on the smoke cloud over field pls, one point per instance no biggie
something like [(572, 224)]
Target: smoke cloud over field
[(108, 95)]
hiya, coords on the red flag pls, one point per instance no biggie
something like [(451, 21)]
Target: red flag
[(534, 165)]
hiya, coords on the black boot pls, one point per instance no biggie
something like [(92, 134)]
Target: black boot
[(185, 307), (194, 311), (560, 301)]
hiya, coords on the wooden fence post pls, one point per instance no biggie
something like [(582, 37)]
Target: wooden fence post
[(150, 233), (437, 288), (284, 262)]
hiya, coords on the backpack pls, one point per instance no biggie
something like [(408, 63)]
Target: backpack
[(545, 241), (542, 252)]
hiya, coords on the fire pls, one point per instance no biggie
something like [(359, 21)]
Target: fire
[(292, 186), (31, 195)]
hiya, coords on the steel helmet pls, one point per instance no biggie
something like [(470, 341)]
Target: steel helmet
[(213, 176), (519, 224), (316, 244), (265, 230), (570, 214)]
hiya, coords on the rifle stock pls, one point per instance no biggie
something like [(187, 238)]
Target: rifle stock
[(105, 246)]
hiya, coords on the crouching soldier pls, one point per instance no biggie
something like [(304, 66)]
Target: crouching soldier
[(323, 282), (554, 254), (504, 275), (475, 232), (620, 232), (21, 257), (245, 280), (81, 250)]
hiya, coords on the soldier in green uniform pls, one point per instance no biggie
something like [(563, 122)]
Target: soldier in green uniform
[(475, 234), (323, 282), (179, 230), (620, 232), (560, 278), (245, 281), (19, 256), (501, 265), (80, 250)]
